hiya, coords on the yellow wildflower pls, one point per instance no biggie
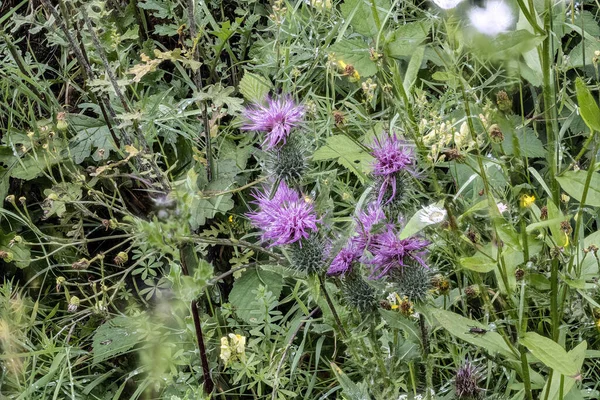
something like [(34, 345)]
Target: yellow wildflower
[(527, 200), (233, 348)]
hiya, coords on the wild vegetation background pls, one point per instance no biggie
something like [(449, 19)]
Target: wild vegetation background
[(358, 199)]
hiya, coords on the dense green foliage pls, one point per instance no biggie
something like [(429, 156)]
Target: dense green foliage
[(128, 175)]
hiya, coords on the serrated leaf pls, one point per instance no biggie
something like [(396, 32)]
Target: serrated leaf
[(347, 153), (365, 16), (91, 134), (550, 353), (112, 338), (351, 390), (406, 38), (459, 326), (242, 297), (357, 53), (254, 87), (573, 182), (587, 106)]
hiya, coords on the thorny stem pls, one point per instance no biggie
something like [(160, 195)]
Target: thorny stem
[(208, 383), (332, 308)]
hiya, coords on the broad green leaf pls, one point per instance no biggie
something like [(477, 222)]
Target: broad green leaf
[(114, 337), (347, 153), (242, 297), (366, 16), (357, 53), (351, 390), (576, 56), (506, 46), (478, 263), (254, 87), (413, 68), (550, 354), (587, 106), (573, 182), (406, 39), (459, 327)]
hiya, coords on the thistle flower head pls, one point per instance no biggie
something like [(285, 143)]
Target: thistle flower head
[(366, 221), (276, 119), (284, 219), (342, 262), (391, 157), (308, 255), (288, 162), (494, 18), (413, 281), (391, 252), (466, 382), (358, 294)]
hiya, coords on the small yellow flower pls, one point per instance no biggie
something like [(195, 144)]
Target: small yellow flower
[(231, 219), (527, 200), (349, 71), (225, 350), (233, 348)]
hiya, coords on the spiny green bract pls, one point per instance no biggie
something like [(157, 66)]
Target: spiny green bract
[(308, 255)]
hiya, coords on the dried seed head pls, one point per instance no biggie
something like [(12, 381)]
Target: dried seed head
[(503, 101), (544, 213), (73, 304), (84, 263), (519, 274), (496, 134), (472, 291), (565, 226), (121, 258), (440, 283), (338, 118)]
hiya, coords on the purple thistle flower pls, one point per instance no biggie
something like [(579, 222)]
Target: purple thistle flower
[(466, 380), (277, 119), (342, 262), (365, 221), (284, 219), (391, 156), (390, 252)]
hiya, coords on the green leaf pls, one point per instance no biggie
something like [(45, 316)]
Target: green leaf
[(459, 326), (550, 353), (365, 16), (242, 297), (357, 53), (407, 38), (413, 68), (573, 182), (576, 56), (507, 46), (91, 134), (351, 390), (347, 153), (587, 106), (254, 87), (112, 338)]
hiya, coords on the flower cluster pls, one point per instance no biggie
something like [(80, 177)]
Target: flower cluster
[(284, 219)]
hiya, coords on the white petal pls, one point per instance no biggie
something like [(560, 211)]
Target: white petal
[(496, 17), (447, 4)]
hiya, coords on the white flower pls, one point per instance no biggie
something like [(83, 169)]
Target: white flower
[(496, 17), (502, 207), (432, 214), (447, 4)]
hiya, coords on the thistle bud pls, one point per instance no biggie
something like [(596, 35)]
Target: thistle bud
[(288, 162), (358, 294), (472, 291), (308, 255), (412, 281)]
